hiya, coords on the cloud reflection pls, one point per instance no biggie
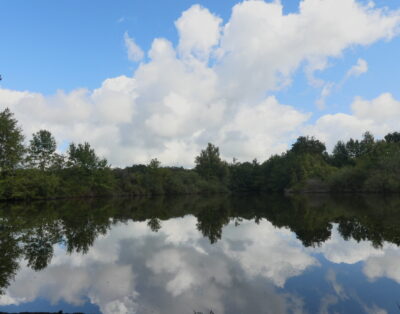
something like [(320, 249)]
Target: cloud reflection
[(134, 270)]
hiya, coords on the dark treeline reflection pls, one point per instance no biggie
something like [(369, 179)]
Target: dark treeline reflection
[(30, 231)]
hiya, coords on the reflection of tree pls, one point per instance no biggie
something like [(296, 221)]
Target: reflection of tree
[(154, 224), (38, 247), (354, 229), (31, 234), (314, 237), (9, 254), (211, 220), (80, 237), (30, 231)]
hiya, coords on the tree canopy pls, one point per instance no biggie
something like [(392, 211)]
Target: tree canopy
[(41, 149), (209, 163), (11, 142), (83, 156)]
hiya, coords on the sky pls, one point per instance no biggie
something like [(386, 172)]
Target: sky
[(161, 79)]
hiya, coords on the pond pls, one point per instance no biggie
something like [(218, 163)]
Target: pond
[(223, 254)]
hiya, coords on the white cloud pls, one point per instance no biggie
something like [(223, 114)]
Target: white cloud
[(215, 86), (134, 270), (188, 272), (360, 68), (262, 46), (261, 130), (325, 92), (385, 265), (377, 262), (337, 250), (135, 53), (268, 252), (356, 70), (379, 116), (199, 31)]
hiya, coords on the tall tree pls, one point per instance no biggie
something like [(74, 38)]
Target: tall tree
[(308, 145), (41, 149), (11, 142), (209, 163), (367, 143), (83, 156), (393, 137), (340, 155)]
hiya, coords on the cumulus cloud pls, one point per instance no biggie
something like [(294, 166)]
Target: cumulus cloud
[(215, 86), (379, 116), (262, 46), (377, 262), (385, 265), (135, 53), (199, 31), (262, 129), (337, 250), (268, 252), (133, 270)]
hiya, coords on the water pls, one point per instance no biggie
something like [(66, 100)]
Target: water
[(256, 254)]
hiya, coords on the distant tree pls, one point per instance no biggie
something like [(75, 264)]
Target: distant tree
[(393, 137), (83, 156), (308, 145), (367, 143), (154, 163), (41, 149), (245, 176), (340, 155), (354, 148), (11, 142), (357, 148), (209, 163)]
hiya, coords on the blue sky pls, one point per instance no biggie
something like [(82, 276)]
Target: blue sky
[(68, 45)]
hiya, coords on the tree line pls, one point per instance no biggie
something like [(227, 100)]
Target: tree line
[(37, 171)]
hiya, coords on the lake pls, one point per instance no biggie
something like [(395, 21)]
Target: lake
[(214, 254)]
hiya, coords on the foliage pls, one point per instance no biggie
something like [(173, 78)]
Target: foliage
[(209, 164), (245, 177), (308, 145), (393, 137), (11, 142), (341, 156), (84, 157), (41, 150)]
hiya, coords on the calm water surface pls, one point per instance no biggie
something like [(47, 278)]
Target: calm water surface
[(185, 255)]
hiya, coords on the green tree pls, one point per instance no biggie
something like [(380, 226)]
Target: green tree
[(393, 137), (83, 156), (41, 149), (340, 155), (11, 142), (357, 148), (354, 148), (154, 164), (308, 145), (209, 164), (367, 143)]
